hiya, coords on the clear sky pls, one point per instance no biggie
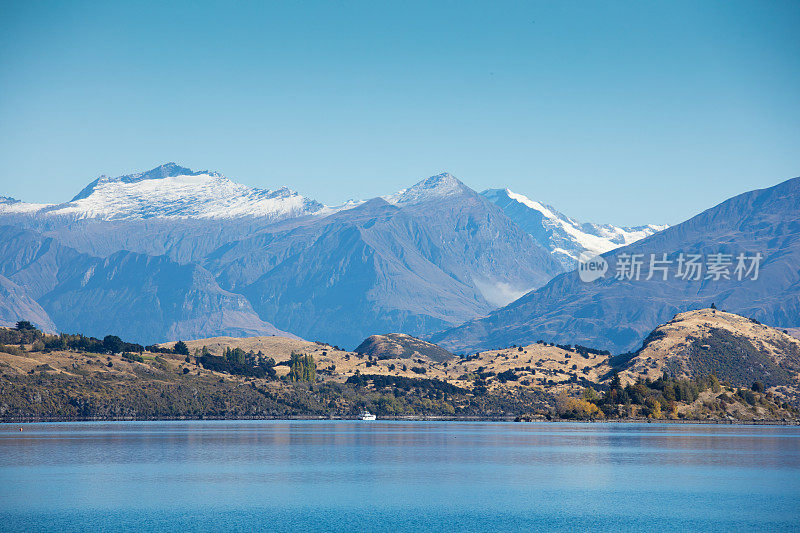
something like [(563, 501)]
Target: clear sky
[(622, 112)]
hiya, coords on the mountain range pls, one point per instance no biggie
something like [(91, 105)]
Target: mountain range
[(172, 253)]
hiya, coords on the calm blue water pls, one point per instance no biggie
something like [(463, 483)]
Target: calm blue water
[(397, 476)]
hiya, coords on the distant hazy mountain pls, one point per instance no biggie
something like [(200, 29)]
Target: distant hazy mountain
[(432, 255), (616, 314), (193, 249), (565, 237), (138, 297)]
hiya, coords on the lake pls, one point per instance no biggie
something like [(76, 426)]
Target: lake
[(397, 476)]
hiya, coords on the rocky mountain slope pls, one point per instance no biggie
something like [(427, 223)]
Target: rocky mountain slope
[(616, 311), (146, 298), (16, 304)]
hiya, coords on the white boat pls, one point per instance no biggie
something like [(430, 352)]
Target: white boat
[(366, 415)]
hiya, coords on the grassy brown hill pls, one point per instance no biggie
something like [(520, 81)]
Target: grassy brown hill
[(736, 349), (400, 345)]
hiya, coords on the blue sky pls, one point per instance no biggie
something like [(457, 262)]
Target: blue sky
[(622, 112)]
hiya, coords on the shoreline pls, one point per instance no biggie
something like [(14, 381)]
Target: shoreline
[(43, 420)]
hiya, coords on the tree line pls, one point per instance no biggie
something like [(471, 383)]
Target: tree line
[(26, 333)]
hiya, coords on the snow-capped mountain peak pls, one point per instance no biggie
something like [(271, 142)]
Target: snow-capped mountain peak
[(565, 237), (167, 170), (173, 191), (435, 187)]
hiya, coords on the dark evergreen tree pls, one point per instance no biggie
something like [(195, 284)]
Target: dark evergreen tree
[(113, 344), (180, 348)]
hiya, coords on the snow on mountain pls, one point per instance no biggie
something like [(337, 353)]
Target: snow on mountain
[(172, 191), (13, 206), (439, 186), (565, 237)]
